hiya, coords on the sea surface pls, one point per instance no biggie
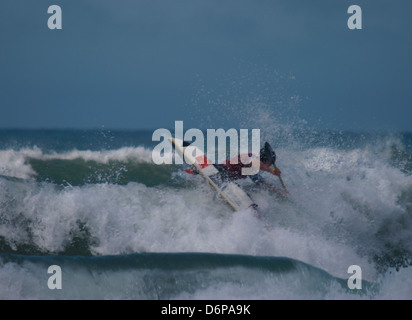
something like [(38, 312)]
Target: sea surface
[(121, 227)]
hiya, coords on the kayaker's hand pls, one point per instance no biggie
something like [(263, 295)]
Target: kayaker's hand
[(276, 172)]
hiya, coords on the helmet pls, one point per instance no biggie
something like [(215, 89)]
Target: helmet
[(267, 154)]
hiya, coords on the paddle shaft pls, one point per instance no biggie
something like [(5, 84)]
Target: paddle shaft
[(281, 181)]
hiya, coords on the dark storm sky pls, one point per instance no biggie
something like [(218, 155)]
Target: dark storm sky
[(144, 64)]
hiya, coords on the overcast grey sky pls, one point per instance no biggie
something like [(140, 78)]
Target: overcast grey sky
[(144, 64)]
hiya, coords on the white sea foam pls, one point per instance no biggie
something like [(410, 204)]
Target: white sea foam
[(331, 222), (346, 207)]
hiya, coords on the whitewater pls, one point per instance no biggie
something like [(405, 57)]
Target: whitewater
[(121, 227)]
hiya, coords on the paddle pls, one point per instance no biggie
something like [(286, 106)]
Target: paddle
[(276, 168), (281, 180)]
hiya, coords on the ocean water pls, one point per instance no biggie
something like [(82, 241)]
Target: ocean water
[(120, 227)]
